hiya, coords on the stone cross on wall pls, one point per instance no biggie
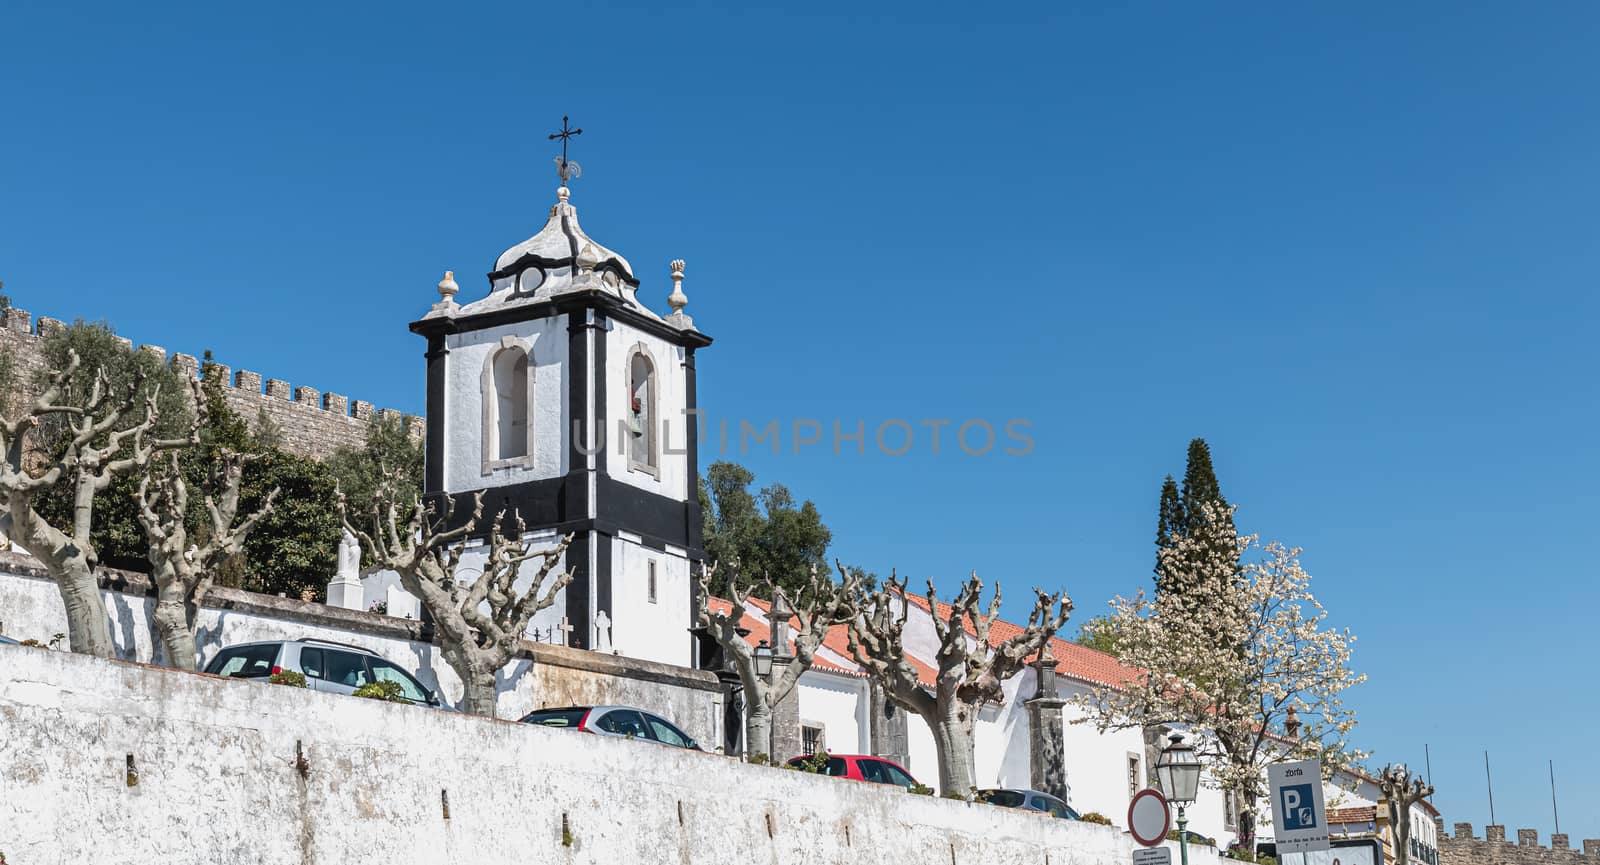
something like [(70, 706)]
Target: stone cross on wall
[(566, 630)]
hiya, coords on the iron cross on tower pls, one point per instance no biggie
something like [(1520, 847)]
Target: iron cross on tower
[(564, 167)]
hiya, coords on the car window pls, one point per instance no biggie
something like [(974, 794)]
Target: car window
[(1004, 798), (892, 774), (344, 668), (1037, 803), (1059, 809), (873, 770), (244, 662), (383, 671), (311, 662), (666, 733), (556, 717), (623, 722), (835, 767)]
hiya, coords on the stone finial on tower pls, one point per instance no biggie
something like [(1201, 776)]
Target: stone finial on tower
[(448, 287), (678, 300)]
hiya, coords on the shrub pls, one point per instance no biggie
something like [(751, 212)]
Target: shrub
[(815, 764), (920, 789), (288, 677), (1172, 835), (1096, 817), (385, 690)]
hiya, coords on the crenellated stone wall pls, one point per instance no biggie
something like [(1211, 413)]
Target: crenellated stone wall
[(312, 422), (1494, 849)]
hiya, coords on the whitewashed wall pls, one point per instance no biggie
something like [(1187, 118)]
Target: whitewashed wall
[(840, 705), (656, 630), (670, 401), (463, 424), (31, 608), (234, 772)]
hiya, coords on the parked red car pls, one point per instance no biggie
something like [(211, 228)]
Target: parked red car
[(864, 767)]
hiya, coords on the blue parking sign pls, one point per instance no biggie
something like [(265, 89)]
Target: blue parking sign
[(1299, 824), (1297, 804)]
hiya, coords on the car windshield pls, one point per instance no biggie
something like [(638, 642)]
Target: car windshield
[(244, 662), (893, 775), (383, 671), (556, 717)]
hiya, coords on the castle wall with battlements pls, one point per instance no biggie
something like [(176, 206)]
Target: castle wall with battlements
[(311, 422), (1494, 849)]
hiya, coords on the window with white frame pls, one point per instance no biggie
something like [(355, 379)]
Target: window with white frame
[(507, 403), (643, 445), (813, 738), (1135, 777)]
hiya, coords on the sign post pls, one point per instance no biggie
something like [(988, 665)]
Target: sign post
[(1300, 818)]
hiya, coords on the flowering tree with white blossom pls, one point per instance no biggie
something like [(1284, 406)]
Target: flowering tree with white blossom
[(1255, 675)]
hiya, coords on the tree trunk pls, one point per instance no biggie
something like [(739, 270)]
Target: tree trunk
[(1247, 827), (758, 725), (175, 628), (88, 627), (477, 672), (952, 739)]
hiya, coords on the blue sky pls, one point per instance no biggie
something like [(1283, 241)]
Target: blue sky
[(1352, 247)]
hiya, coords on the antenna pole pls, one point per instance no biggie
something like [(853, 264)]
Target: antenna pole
[(1490, 779), (1428, 760), (1553, 809)]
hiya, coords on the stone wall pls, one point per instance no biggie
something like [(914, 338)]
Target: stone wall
[(543, 675), (114, 762), (312, 423), (1493, 849)]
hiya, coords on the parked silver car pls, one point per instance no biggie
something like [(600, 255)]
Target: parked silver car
[(1029, 800), (328, 666), (623, 721)]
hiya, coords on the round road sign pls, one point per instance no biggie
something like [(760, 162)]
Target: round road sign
[(1149, 818)]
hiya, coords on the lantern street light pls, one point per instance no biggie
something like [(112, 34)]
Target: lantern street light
[(763, 656), (1178, 771)]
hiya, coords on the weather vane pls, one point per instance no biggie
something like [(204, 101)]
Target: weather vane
[(566, 168)]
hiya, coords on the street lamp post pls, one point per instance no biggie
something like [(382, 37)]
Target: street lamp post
[(1178, 771), (763, 659)]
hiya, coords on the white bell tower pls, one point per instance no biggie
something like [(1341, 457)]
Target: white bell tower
[(563, 397)]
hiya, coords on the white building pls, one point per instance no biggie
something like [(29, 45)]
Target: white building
[(565, 401), (1103, 768)]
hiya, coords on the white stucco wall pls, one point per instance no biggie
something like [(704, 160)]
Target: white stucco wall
[(839, 704), (546, 340), (1097, 763), (31, 608), (668, 359), (659, 630), (218, 782)]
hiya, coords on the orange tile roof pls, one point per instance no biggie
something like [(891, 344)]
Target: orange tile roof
[(1074, 660), (1366, 814)]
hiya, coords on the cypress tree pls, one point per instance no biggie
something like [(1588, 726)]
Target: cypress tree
[(1200, 485), (1170, 525), (1184, 514)]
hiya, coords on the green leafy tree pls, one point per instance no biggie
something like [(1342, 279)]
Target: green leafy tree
[(1097, 634), (766, 532), (391, 459)]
